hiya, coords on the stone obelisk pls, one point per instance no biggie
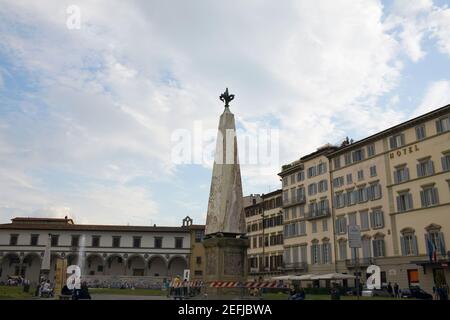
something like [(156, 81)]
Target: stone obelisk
[(225, 242)]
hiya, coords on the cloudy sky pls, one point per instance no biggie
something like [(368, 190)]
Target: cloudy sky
[(87, 115)]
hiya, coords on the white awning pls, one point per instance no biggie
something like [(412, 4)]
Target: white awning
[(332, 276)]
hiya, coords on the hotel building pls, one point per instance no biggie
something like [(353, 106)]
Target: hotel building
[(395, 185)]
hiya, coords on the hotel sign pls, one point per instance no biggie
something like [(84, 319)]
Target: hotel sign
[(404, 151)]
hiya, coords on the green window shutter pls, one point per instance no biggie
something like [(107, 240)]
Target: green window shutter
[(415, 247), (422, 199), (410, 201), (403, 245), (372, 219), (441, 243), (427, 237), (392, 143), (382, 219), (399, 204), (435, 196), (438, 126)]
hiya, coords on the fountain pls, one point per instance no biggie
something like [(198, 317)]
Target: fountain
[(82, 254)]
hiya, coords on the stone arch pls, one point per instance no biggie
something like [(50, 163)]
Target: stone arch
[(114, 264), (158, 266), (94, 264), (176, 265), (135, 265), (72, 258), (32, 266), (9, 265)]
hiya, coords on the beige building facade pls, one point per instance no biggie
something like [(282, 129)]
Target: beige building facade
[(264, 222), (394, 185)]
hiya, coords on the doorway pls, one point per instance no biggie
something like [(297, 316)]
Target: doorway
[(439, 277)]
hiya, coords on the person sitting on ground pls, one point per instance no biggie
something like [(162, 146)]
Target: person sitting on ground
[(46, 289)]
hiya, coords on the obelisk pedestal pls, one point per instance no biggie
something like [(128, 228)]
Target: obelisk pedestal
[(226, 261)]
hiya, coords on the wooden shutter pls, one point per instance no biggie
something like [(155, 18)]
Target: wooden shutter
[(438, 126), (434, 196), (422, 199), (381, 213), (403, 245), (427, 238), (372, 219), (415, 247), (410, 201), (392, 143), (441, 243), (399, 204), (444, 164), (419, 170), (402, 139)]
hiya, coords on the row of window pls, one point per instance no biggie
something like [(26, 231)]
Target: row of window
[(398, 140), (269, 240), (370, 248), (374, 220), (425, 167), (434, 240), (273, 262), (358, 195), (296, 229), (355, 156), (315, 209), (265, 205), (428, 197), (320, 253), (95, 241), (339, 181), (395, 141), (313, 171), (268, 223)]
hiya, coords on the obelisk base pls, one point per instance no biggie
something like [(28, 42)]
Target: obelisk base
[(226, 261)]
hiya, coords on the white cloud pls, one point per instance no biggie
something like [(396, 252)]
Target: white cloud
[(417, 21), (436, 96), (108, 96)]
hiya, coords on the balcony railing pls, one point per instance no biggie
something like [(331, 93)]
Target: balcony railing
[(254, 270), (362, 262), (321, 213), (295, 266), (292, 202)]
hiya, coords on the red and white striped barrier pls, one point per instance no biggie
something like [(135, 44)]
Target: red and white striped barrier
[(248, 284), (180, 284)]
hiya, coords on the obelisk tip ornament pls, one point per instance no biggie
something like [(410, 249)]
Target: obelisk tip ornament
[(225, 210), (226, 98)]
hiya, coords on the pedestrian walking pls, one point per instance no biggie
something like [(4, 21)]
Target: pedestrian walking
[(389, 289), (396, 290)]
